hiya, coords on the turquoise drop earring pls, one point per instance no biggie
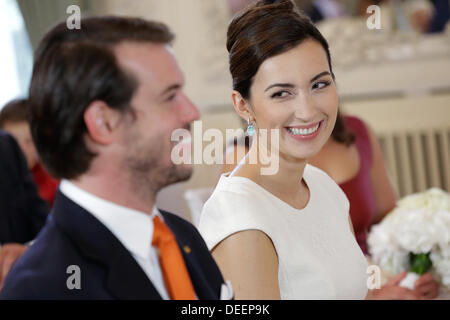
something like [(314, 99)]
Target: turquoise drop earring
[(250, 128)]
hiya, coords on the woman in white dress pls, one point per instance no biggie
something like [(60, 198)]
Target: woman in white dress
[(286, 234)]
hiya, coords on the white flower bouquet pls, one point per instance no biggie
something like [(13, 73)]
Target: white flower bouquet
[(415, 236)]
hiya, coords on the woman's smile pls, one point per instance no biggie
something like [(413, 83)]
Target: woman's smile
[(305, 132)]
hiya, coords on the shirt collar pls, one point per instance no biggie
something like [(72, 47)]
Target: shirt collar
[(133, 228)]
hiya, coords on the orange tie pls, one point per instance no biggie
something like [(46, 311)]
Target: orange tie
[(176, 276)]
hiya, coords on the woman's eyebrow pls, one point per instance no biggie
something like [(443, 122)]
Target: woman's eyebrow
[(320, 75), (290, 85), (283, 85)]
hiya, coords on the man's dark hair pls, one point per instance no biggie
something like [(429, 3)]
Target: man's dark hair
[(72, 69), (14, 111)]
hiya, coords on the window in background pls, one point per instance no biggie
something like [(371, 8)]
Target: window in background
[(16, 57)]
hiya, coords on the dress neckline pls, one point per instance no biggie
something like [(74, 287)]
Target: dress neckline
[(303, 211)]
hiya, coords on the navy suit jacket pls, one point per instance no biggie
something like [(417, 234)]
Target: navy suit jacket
[(22, 211), (73, 236)]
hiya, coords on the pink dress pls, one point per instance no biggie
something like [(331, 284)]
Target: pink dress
[(359, 189)]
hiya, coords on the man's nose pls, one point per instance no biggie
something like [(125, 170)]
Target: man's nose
[(189, 111)]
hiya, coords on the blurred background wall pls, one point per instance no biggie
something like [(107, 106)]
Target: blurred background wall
[(396, 78)]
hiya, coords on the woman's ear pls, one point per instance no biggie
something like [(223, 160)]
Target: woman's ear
[(241, 106)]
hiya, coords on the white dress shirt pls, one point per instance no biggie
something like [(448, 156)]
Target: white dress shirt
[(134, 229)]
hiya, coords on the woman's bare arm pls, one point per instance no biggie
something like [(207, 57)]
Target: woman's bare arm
[(249, 260)]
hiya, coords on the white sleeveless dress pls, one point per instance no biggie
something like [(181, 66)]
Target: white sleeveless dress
[(318, 255)]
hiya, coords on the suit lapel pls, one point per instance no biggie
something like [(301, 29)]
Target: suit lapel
[(125, 278)]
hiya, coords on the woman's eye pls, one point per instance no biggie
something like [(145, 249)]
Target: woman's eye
[(321, 84), (280, 94)]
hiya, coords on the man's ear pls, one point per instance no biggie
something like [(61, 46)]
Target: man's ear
[(241, 106), (101, 122)]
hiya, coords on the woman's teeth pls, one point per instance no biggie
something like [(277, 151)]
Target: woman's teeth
[(303, 132)]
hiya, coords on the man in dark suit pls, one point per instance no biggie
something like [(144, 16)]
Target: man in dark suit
[(104, 101), (22, 211)]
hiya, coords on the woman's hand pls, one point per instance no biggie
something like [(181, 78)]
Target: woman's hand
[(392, 291), (426, 287)]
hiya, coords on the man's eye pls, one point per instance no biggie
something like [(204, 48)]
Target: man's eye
[(171, 97), (280, 94), (321, 84)]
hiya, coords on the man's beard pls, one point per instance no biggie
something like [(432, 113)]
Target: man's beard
[(148, 173)]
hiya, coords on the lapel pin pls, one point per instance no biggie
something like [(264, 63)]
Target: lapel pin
[(187, 249)]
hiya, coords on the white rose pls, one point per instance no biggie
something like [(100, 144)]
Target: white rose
[(420, 223)]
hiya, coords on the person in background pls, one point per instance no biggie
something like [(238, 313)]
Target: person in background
[(354, 159), (104, 101), (22, 211), (310, 9), (316, 10), (441, 16), (14, 120), (324, 9), (428, 16), (424, 16)]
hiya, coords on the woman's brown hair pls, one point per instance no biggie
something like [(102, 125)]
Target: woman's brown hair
[(265, 29)]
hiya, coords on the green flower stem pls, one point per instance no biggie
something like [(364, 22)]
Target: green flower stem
[(420, 263)]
